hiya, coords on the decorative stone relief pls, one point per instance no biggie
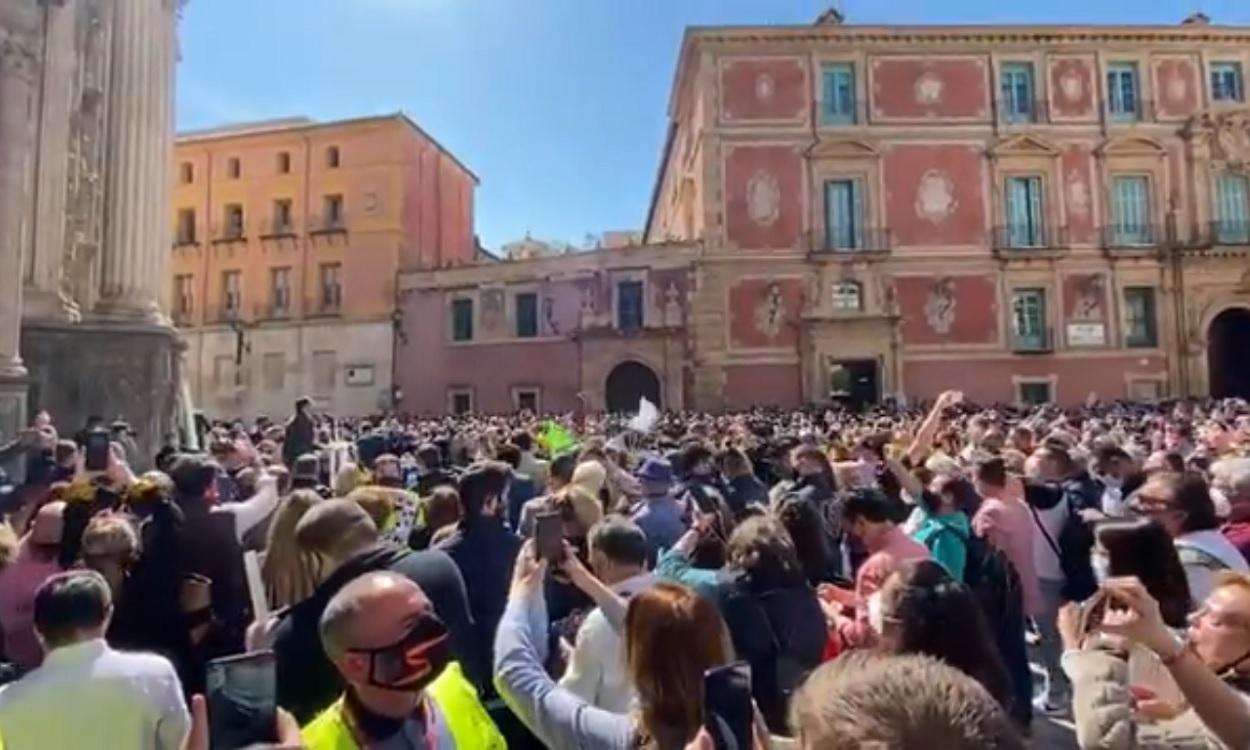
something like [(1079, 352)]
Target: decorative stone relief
[(1227, 134), (1078, 193), (939, 306), (672, 305), (1072, 86), (1089, 298), (929, 89), (770, 314), (765, 87), (492, 309), (763, 199), (1177, 88), (935, 196), (549, 316)]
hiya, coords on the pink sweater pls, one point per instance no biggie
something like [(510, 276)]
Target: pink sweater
[(18, 584), (894, 549), (1008, 525)]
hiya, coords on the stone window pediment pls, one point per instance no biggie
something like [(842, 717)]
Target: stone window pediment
[(1023, 145), (1131, 146), (843, 149)]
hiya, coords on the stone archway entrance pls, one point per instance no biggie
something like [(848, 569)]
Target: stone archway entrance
[(627, 383), (1228, 354)]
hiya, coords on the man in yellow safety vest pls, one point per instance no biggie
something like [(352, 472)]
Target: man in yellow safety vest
[(403, 689)]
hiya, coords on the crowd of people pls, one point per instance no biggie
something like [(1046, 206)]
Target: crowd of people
[(893, 576)]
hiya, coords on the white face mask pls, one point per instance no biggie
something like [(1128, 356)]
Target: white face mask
[(876, 613), (1102, 567)]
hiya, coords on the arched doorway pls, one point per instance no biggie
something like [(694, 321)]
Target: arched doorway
[(627, 383), (1228, 354)]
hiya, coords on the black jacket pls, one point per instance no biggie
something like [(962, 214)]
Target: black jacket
[(300, 438), (208, 545), (308, 682), (781, 633), (744, 490), (485, 553)]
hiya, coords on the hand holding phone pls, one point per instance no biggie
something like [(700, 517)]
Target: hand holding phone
[(549, 537), (728, 713), (242, 701)]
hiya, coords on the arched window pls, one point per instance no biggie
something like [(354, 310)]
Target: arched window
[(847, 296)]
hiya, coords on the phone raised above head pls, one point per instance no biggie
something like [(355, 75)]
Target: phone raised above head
[(549, 537)]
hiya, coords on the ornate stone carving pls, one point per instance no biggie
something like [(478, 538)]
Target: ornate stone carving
[(939, 306), (770, 314), (1078, 193), (1089, 299), (672, 305), (1072, 86), (765, 87), (929, 89), (763, 199), (935, 196), (17, 57), (1227, 134)]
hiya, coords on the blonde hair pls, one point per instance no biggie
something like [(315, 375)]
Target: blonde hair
[(109, 535), (290, 573), (377, 502), (8, 544)]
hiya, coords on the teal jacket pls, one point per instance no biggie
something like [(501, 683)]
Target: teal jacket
[(946, 537)]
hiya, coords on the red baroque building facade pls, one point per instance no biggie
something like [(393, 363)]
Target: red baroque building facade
[(1023, 213)]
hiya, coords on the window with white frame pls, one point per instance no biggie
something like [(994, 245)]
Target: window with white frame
[(847, 296)]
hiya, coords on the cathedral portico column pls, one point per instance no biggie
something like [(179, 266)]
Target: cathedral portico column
[(18, 68), (140, 143), (46, 294)]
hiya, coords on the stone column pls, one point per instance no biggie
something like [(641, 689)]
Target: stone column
[(45, 286), (18, 70), (140, 144)]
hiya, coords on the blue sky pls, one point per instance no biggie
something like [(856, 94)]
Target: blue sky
[(559, 106)]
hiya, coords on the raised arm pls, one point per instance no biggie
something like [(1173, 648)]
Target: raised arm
[(923, 442)]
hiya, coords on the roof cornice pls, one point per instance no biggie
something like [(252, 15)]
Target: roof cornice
[(970, 34)]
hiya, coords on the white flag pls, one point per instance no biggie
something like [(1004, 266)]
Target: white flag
[(647, 416)]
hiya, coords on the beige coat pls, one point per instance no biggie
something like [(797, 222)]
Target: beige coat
[(1102, 709)]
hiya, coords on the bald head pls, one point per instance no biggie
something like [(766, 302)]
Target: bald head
[(372, 611), (336, 529)]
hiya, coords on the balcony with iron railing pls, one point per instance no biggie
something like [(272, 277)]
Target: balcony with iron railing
[(330, 223), (229, 311), (1227, 233), (1040, 341), (1028, 240), (233, 231), (1037, 115), (1134, 238), (851, 242), (277, 308), (275, 228)]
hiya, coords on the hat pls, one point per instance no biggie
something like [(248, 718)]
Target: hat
[(48, 524), (655, 470)]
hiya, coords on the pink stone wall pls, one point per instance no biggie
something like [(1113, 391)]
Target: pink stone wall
[(764, 313), (934, 194), (427, 364), (930, 88), (948, 309), (1073, 85), (1177, 87), (990, 380), (764, 89), (763, 196), (762, 385), (1078, 190)]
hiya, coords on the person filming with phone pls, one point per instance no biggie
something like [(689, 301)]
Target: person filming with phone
[(1210, 664)]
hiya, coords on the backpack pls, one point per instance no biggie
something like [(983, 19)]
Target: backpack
[(1076, 541), (991, 577), (756, 619)]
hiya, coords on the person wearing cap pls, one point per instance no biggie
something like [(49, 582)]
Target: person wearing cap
[(659, 515), (36, 562)]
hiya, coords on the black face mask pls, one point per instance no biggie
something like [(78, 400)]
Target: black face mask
[(415, 661)]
